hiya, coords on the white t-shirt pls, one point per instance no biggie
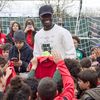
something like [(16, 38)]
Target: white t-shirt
[(58, 38)]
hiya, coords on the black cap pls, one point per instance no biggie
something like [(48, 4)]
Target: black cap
[(19, 35), (46, 9)]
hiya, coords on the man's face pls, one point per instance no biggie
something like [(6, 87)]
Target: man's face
[(75, 43), (93, 55), (83, 85), (5, 54), (19, 44), (46, 20)]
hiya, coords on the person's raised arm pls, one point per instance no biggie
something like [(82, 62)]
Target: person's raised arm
[(68, 83)]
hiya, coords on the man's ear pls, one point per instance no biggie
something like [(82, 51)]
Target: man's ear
[(88, 84)]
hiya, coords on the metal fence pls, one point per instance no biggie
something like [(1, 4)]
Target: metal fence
[(68, 23)]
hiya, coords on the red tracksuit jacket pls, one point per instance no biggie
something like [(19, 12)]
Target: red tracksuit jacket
[(13, 74), (2, 40), (68, 83), (46, 67)]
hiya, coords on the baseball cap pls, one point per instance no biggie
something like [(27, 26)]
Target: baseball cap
[(46, 9)]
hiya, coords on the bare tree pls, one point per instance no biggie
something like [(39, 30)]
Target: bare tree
[(2, 4), (91, 12), (59, 8)]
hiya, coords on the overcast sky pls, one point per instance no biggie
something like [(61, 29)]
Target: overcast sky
[(91, 3), (30, 8)]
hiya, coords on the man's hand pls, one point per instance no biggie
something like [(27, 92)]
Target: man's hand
[(56, 56), (34, 63), (8, 72), (97, 52)]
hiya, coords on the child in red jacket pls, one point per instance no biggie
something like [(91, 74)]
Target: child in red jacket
[(6, 73), (47, 88), (2, 39)]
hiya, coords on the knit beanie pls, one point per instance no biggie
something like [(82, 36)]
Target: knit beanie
[(19, 36)]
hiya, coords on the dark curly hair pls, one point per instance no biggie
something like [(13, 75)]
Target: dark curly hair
[(76, 38)]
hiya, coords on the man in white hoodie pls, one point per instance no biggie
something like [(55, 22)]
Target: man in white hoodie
[(52, 36)]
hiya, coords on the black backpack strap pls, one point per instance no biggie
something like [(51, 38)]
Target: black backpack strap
[(89, 98)]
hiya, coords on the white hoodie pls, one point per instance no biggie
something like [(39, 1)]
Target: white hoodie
[(58, 38)]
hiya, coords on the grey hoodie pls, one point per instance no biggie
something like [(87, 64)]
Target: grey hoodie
[(93, 93)]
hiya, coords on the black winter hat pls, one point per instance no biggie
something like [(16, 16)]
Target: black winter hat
[(19, 36), (46, 9)]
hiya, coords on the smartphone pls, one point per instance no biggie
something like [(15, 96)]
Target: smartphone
[(29, 26), (14, 59)]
